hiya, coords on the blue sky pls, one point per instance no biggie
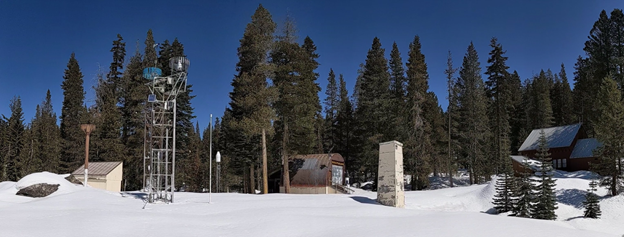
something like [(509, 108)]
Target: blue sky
[(37, 38)]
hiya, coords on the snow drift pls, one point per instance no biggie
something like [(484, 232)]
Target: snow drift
[(443, 212)]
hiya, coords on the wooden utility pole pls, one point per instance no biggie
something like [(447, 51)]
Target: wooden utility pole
[(87, 128), (265, 178)]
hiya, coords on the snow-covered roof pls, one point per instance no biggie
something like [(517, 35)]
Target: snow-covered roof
[(561, 136), (533, 164), (584, 148)]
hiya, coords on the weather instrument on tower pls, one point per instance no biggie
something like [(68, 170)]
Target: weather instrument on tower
[(160, 129)]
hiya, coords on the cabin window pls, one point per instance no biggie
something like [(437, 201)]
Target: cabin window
[(554, 161), (564, 163)]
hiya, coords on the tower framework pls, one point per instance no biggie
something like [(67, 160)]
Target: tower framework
[(160, 129)]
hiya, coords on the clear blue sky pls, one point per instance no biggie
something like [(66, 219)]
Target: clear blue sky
[(37, 38)]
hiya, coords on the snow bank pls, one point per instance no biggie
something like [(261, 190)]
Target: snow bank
[(443, 212), (49, 178), (8, 189)]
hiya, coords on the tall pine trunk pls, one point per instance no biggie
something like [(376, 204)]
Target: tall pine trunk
[(265, 179), (252, 183), (285, 160)]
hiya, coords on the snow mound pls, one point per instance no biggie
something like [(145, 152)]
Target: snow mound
[(10, 188)]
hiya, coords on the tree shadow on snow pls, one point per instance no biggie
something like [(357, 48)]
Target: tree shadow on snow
[(576, 217), (135, 195), (572, 197), (364, 200)]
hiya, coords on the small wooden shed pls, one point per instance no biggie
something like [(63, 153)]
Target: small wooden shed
[(103, 175)]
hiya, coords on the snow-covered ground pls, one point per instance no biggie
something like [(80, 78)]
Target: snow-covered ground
[(460, 211)]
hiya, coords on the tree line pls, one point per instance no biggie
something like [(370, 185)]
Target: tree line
[(275, 111)]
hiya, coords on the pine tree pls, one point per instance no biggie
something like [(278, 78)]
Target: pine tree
[(523, 194), (505, 187), (372, 104), (310, 105), (473, 121), (567, 103), (398, 83), (14, 138), (28, 161), (609, 129), (47, 136), (3, 148), (498, 85), (107, 144), (451, 121), (249, 106), (545, 203), (591, 203), (517, 120), (72, 113), (344, 123), (132, 98), (418, 146), (331, 110), (541, 113)]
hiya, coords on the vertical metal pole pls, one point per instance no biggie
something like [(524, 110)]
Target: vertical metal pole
[(175, 107), (210, 173)]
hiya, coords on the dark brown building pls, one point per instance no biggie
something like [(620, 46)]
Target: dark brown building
[(569, 147)]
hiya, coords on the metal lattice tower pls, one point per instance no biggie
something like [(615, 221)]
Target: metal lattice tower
[(160, 129)]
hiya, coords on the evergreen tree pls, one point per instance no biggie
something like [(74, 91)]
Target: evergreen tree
[(47, 136), (310, 106), (451, 121), (3, 148), (499, 94), (398, 95), (609, 129), (14, 138), (567, 103), (107, 144), (72, 113), (344, 123), (28, 161), (418, 146), (545, 202), (132, 97), (331, 110), (523, 194), (473, 121), (541, 113), (591, 203), (370, 113), (503, 199), (585, 89), (249, 106), (517, 118)]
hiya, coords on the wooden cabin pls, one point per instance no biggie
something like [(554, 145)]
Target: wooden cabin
[(569, 147)]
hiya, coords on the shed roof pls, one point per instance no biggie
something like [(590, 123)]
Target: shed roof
[(561, 136), (98, 168), (312, 169), (584, 148), (533, 164)]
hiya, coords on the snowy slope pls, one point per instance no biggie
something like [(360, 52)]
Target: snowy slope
[(443, 212)]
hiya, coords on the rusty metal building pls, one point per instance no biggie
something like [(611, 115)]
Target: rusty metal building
[(312, 174)]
